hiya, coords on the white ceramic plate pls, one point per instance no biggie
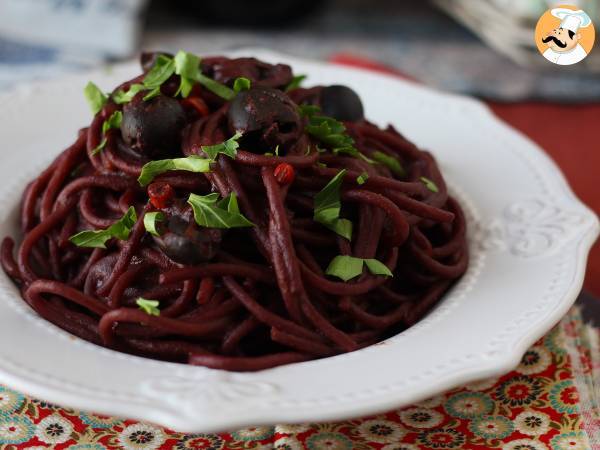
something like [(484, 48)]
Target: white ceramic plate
[(529, 238)]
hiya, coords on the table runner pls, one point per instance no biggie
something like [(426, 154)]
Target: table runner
[(550, 401)]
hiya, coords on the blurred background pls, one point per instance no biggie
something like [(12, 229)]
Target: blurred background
[(483, 48)]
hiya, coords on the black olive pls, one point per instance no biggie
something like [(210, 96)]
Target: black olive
[(147, 59), (267, 117), (341, 103), (153, 127), (186, 243)]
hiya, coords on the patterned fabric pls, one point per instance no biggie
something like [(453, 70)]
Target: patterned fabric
[(549, 402)]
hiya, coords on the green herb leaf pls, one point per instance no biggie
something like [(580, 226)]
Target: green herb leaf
[(160, 72), (211, 212), (113, 122), (121, 96), (308, 110), (228, 147), (190, 164), (390, 162), (150, 221), (362, 178), (241, 84), (327, 207), (347, 267), (150, 307), (330, 132), (376, 267), (187, 66), (154, 92), (100, 146), (95, 97), (429, 184), (295, 83), (215, 87), (98, 238)]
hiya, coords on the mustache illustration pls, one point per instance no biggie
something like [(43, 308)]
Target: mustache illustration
[(556, 41)]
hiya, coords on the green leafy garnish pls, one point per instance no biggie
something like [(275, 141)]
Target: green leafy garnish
[(161, 71), (190, 164), (150, 307), (215, 87), (97, 238), (347, 267), (152, 93), (241, 84), (330, 132), (390, 162), (95, 97), (327, 207), (121, 96), (187, 66), (228, 147), (211, 212), (150, 221), (429, 184), (113, 122), (362, 178), (295, 83)]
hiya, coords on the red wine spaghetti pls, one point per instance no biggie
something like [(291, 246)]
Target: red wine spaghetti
[(216, 213)]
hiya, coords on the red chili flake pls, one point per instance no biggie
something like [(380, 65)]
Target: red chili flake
[(196, 104), (160, 194), (284, 173)]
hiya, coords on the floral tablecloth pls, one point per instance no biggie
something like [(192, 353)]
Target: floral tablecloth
[(550, 401)]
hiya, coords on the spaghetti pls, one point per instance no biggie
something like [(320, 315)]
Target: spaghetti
[(215, 213)]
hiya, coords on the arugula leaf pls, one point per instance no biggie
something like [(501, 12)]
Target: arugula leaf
[(327, 207), (150, 220), (98, 238), (362, 178), (95, 97), (160, 72), (114, 121), (241, 84), (228, 147), (192, 163), (121, 96), (347, 267), (295, 83), (150, 307), (211, 212), (390, 162), (429, 184)]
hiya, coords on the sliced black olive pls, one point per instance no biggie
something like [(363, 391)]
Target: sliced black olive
[(267, 117), (153, 127), (341, 103), (186, 243), (147, 59)]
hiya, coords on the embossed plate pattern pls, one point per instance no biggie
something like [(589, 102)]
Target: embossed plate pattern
[(529, 238)]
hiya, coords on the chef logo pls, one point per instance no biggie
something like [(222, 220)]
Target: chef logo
[(564, 35)]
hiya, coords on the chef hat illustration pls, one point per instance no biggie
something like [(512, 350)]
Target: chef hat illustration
[(571, 20)]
